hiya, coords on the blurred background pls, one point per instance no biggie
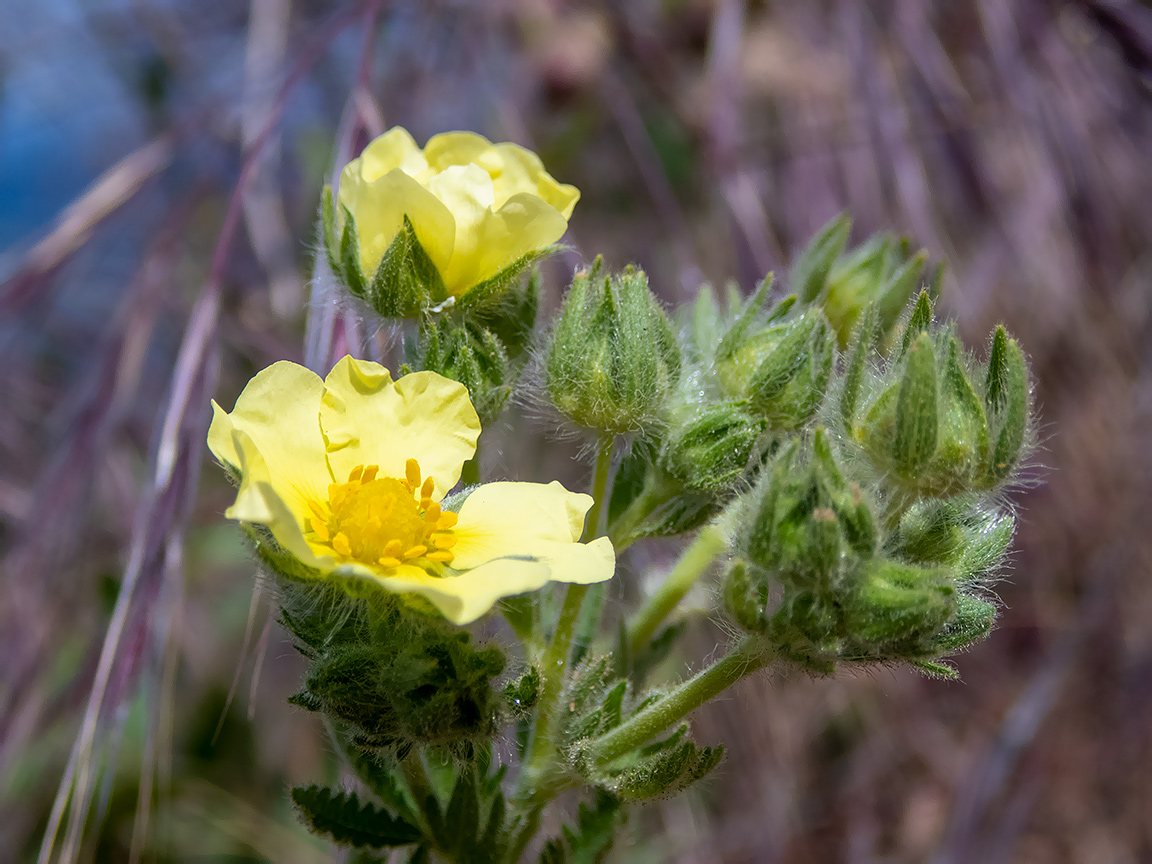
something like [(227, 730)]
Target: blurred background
[(160, 167)]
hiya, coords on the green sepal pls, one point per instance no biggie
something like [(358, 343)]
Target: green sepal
[(809, 274), (711, 451), (406, 282), (678, 515), (916, 410), (341, 816), (919, 321), (898, 606), (971, 621), (350, 270), (747, 319), (862, 347), (328, 230), (1008, 398), (897, 292), (491, 292), (963, 435)]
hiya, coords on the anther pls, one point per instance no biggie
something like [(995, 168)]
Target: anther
[(412, 472), (447, 520), (369, 474), (441, 556), (392, 549), (432, 514), (340, 544), (320, 528), (428, 488), (444, 541), (355, 473), (415, 552), (389, 562)]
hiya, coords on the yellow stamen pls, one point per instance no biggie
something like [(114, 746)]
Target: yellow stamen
[(382, 522)]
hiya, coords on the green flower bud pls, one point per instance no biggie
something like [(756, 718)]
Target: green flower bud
[(792, 377), (745, 596), (932, 432), (1007, 398), (898, 605), (971, 621), (613, 360), (882, 271), (712, 451), (472, 355)]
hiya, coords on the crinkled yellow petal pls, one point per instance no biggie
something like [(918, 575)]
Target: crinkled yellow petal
[(461, 148), (258, 501), (466, 190), (368, 419), (535, 520), (524, 224), (394, 149), (465, 597), (279, 411), (379, 208), (522, 171)]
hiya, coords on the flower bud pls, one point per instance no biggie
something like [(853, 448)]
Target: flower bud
[(455, 222), (712, 451), (897, 605), (613, 360), (931, 430), (471, 355), (881, 271)]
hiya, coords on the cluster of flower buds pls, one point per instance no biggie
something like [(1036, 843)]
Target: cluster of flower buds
[(819, 576)]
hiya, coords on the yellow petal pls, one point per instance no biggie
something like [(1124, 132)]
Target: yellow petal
[(370, 420), (522, 171), (379, 207), (509, 519), (465, 597), (257, 501), (279, 411), (461, 148), (394, 149), (524, 224)]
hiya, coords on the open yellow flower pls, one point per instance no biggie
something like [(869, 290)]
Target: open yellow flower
[(348, 473), (476, 207)]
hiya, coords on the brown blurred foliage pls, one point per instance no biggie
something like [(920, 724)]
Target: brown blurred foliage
[(709, 139)]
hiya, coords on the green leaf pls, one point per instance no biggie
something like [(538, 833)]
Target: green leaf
[(666, 771), (491, 290), (350, 823), (916, 415)]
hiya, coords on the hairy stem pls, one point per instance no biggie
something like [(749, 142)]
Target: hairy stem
[(750, 654), (693, 562), (538, 761)]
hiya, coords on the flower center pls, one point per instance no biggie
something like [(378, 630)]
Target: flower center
[(383, 521)]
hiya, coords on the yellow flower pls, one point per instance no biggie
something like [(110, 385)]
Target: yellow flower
[(476, 207), (348, 472)]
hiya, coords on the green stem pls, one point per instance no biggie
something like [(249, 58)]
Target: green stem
[(749, 655), (554, 665), (693, 562)]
